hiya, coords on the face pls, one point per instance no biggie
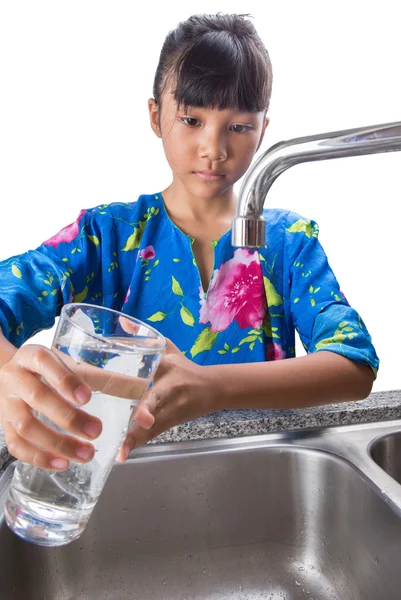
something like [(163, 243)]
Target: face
[(208, 150)]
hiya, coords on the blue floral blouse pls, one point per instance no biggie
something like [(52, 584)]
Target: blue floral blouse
[(133, 258)]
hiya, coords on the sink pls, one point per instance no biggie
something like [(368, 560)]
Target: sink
[(386, 452), (306, 515)]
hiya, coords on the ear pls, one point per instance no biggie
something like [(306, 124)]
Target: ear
[(154, 116), (262, 135)]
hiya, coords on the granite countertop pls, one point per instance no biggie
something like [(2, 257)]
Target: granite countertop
[(379, 406)]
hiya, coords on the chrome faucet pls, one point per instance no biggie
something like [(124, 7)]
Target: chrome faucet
[(249, 226)]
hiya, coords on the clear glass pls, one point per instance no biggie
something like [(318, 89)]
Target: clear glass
[(117, 356)]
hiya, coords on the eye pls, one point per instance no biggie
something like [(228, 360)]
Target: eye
[(241, 128), (190, 121)]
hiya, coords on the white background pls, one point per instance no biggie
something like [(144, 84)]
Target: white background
[(75, 79)]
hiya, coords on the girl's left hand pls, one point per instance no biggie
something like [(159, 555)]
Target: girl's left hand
[(181, 391)]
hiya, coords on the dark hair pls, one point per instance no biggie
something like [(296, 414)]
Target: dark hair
[(215, 61)]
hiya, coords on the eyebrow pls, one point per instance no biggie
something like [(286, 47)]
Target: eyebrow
[(236, 112)]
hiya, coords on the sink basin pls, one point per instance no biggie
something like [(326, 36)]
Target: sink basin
[(386, 452), (280, 517)]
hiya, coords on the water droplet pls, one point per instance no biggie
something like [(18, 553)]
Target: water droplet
[(164, 582)]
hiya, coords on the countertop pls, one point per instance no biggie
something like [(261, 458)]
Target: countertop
[(379, 406)]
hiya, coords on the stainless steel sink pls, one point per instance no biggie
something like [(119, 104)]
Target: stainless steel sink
[(293, 516), (386, 452)]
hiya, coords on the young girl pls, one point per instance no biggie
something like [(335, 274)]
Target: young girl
[(229, 314)]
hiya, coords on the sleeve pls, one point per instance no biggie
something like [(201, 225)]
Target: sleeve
[(35, 285), (320, 312)]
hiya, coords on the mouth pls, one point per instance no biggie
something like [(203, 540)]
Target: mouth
[(209, 175)]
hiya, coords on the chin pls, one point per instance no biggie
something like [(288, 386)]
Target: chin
[(208, 190)]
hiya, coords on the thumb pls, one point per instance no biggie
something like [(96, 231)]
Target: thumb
[(171, 348)]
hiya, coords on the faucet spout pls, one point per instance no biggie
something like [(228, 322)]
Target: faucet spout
[(249, 226)]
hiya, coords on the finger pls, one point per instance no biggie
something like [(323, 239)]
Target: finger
[(103, 380), (144, 417), (48, 364), (129, 326), (138, 329), (144, 421), (152, 403), (136, 437), (172, 348), (48, 402), (28, 453), (27, 427)]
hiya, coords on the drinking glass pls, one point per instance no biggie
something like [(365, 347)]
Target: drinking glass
[(116, 355)]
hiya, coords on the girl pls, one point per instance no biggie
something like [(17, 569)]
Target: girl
[(167, 259)]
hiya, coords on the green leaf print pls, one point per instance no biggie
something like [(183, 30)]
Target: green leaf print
[(304, 226), (80, 297), (204, 341), (337, 338), (273, 298), (187, 316), (133, 241), (142, 224), (249, 338), (94, 239), (159, 316), (176, 287), (16, 272)]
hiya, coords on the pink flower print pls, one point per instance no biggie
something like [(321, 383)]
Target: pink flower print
[(67, 234), (275, 352), (128, 295), (147, 253), (236, 292)]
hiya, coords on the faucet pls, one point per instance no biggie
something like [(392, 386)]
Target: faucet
[(249, 226)]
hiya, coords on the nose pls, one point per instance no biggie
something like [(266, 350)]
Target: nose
[(213, 145)]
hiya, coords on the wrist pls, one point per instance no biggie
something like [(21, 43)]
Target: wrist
[(217, 389)]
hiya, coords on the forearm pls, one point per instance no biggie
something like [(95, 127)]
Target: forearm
[(7, 350), (319, 378)]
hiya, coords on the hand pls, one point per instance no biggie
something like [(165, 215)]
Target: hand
[(22, 391), (181, 391)]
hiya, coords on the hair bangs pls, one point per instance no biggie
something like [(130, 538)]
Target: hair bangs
[(220, 72)]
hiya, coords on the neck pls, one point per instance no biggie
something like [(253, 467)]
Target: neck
[(182, 205)]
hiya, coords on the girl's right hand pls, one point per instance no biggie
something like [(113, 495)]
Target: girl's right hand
[(22, 391)]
